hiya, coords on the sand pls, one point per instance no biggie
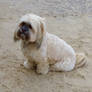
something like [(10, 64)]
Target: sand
[(71, 20)]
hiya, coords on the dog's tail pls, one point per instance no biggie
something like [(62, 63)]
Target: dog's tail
[(80, 60)]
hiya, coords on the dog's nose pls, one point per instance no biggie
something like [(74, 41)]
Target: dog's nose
[(24, 28)]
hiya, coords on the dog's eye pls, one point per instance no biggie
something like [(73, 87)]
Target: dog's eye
[(30, 26), (22, 24), (25, 26)]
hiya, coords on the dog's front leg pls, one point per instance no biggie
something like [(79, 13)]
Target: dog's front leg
[(43, 68)]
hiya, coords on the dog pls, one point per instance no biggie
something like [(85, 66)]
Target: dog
[(44, 51)]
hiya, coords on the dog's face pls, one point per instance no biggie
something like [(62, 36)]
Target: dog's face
[(24, 31), (30, 29)]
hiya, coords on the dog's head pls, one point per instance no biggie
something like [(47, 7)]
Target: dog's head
[(31, 28)]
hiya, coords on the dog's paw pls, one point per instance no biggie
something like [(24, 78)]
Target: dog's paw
[(42, 72), (43, 68), (27, 65)]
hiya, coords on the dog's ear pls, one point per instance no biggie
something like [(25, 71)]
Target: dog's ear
[(15, 37), (40, 33)]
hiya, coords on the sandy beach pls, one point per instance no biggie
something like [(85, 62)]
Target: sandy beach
[(71, 20)]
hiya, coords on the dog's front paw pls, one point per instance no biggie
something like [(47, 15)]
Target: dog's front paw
[(27, 65), (42, 71), (42, 68)]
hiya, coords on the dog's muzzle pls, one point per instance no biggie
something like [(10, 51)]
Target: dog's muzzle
[(23, 32)]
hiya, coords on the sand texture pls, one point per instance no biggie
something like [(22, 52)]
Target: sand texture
[(71, 20)]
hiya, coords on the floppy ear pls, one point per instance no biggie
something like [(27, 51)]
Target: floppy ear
[(40, 33), (16, 38)]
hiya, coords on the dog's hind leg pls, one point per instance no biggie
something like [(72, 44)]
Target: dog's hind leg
[(66, 65)]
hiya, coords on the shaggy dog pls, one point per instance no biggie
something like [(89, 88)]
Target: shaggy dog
[(43, 50)]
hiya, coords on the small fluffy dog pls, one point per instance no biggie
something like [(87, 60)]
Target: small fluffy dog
[(43, 50)]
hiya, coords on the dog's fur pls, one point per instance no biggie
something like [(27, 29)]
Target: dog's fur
[(44, 50)]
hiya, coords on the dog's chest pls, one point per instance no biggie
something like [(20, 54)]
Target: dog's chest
[(34, 54)]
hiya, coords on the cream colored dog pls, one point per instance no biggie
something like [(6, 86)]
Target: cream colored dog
[(44, 50)]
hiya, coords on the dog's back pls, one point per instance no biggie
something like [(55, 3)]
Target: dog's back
[(58, 49)]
